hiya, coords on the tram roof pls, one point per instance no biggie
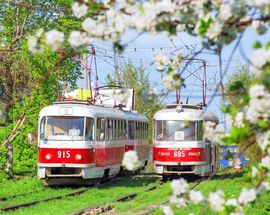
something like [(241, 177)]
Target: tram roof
[(185, 114), (83, 109)]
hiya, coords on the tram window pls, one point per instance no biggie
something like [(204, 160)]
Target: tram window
[(89, 129), (122, 129), (199, 130), (64, 128), (131, 130), (109, 130), (42, 127), (101, 129), (173, 130), (125, 130)]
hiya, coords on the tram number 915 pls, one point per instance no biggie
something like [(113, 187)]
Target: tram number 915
[(63, 154), (179, 154)]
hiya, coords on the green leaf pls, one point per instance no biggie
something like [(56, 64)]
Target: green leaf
[(225, 109), (257, 45), (267, 45), (263, 123)]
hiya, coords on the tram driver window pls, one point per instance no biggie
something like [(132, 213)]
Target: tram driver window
[(173, 130), (89, 129)]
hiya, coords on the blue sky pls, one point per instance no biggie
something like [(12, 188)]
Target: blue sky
[(142, 48)]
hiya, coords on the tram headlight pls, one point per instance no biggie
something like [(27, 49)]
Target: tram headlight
[(78, 157), (48, 156)]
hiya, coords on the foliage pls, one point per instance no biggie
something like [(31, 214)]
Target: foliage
[(29, 82), (135, 78)]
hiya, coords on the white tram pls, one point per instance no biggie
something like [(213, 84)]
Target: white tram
[(79, 142), (179, 146)]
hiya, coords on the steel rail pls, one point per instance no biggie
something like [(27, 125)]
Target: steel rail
[(5, 198), (154, 208), (101, 208), (74, 193)]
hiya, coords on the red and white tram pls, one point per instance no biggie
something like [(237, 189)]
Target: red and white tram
[(179, 145), (79, 142)]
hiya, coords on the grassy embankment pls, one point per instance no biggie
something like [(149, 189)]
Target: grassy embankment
[(230, 185)]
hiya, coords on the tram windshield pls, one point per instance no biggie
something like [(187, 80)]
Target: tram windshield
[(173, 130), (67, 128)]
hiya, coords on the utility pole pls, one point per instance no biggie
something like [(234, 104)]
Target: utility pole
[(85, 72)]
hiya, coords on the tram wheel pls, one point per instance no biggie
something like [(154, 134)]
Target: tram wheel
[(165, 178)]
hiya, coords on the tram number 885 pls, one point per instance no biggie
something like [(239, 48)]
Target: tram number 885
[(179, 154)]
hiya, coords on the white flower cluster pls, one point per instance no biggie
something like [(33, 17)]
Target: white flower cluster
[(172, 81), (181, 197), (79, 10), (33, 42), (259, 106), (131, 161), (161, 61), (214, 132), (259, 59), (263, 140), (259, 26), (54, 39), (149, 95), (121, 95)]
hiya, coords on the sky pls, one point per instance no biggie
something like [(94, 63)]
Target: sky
[(141, 48)]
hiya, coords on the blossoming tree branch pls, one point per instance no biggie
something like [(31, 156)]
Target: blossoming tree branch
[(218, 23)]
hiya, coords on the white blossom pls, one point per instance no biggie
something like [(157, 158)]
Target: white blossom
[(259, 26), (213, 31), (79, 10), (259, 107), (195, 196), (246, 196), (225, 11), (238, 121), (166, 210), (214, 132), (259, 59), (178, 201), (172, 81), (39, 32), (254, 171), (216, 201), (265, 162), (149, 95), (131, 161), (161, 61), (54, 39), (121, 95), (263, 140), (77, 39), (231, 202), (179, 186), (34, 46)]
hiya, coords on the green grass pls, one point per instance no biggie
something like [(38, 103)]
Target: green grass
[(231, 186), (97, 195)]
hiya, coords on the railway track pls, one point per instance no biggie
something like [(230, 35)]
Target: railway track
[(5, 198), (152, 209), (74, 193), (104, 207)]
